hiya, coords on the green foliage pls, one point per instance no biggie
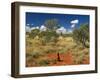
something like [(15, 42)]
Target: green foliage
[(67, 35), (48, 36), (34, 54), (81, 35), (39, 43), (44, 62), (85, 29), (76, 34), (27, 33), (34, 33), (51, 24), (79, 58)]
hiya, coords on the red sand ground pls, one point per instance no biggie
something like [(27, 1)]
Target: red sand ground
[(66, 59)]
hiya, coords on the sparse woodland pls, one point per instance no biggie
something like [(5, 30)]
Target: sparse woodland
[(49, 48)]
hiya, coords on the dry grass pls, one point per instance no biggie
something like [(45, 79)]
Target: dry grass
[(35, 50)]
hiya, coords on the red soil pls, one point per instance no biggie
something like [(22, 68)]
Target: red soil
[(86, 60), (65, 59)]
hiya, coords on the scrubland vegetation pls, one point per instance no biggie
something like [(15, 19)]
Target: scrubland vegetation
[(47, 48)]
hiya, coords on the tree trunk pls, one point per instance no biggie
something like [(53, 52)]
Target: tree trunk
[(84, 43)]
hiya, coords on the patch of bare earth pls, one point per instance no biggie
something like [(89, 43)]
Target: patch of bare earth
[(65, 59)]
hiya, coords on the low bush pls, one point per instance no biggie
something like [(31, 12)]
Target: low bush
[(44, 62)]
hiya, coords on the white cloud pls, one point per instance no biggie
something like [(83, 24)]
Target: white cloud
[(76, 21), (43, 28), (73, 25), (69, 31), (37, 27), (28, 29), (28, 24), (32, 28), (61, 30)]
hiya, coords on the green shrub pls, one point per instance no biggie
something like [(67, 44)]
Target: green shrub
[(36, 54), (78, 59), (44, 62)]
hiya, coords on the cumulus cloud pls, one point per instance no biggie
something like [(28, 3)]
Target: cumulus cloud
[(43, 28), (73, 25), (61, 30), (76, 21), (28, 29), (32, 28)]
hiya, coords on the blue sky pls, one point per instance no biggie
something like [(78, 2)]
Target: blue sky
[(38, 19)]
